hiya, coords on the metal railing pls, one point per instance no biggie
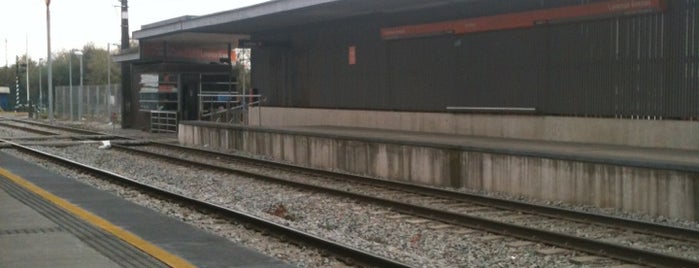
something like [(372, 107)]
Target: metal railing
[(163, 121), (225, 106)]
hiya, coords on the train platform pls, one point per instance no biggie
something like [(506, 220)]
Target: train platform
[(49, 220), (645, 157), (653, 158), (653, 181)]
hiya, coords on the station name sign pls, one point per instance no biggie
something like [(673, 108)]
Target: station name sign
[(630, 5), (257, 44), (527, 19), (184, 52)]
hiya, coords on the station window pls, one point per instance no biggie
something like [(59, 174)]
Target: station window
[(158, 92)]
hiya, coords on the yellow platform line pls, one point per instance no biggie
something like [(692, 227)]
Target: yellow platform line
[(134, 240)]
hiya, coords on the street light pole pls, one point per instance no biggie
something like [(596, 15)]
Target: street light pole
[(70, 84), (109, 81), (80, 90), (41, 94), (50, 70), (26, 59)]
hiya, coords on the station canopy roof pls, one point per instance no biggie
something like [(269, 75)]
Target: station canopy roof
[(229, 26)]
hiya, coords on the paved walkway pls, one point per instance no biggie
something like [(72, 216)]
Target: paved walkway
[(673, 159)]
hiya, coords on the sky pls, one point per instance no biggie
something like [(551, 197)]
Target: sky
[(75, 23)]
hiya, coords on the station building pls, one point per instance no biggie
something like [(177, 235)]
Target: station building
[(525, 69)]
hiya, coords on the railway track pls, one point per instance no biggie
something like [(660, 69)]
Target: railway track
[(343, 252), (447, 195), (455, 208), (451, 207), (38, 125)]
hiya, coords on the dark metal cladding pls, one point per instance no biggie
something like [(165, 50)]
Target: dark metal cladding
[(637, 66)]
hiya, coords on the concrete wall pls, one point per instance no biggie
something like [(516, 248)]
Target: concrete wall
[(655, 192), (645, 133)]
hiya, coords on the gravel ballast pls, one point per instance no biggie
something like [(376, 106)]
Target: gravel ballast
[(418, 242)]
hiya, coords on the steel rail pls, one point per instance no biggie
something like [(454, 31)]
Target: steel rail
[(345, 253), (594, 247), (28, 129), (84, 135), (74, 137), (71, 129), (667, 231)]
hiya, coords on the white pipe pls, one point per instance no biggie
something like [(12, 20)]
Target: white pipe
[(517, 109)]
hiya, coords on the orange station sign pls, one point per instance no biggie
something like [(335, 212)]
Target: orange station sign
[(527, 19)]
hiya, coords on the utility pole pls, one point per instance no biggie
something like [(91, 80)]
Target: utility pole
[(70, 84), (109, 82), (80, 91), (41, 90), (124, 24), (26, 58), (126, 93), (50, 70)]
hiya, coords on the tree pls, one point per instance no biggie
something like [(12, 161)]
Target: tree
[(95, 62)]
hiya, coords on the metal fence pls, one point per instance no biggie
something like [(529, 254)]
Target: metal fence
[(636, 66), (94, 102)]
